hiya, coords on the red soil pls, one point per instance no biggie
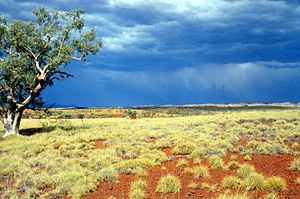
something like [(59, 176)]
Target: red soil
[(119, 189), (264, 164), (100, 144)]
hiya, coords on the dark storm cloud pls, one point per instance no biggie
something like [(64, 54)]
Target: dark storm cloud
[(160, 50)]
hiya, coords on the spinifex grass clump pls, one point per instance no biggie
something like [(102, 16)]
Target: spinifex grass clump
[(254, 182), (201, 172), (65, 162), (226, 196), (276, 183), (232, 165), (108, 174), (137, 189), (245, 170), (295, 165), (182, 163), (231, 182), (193, 185), (216, 162), (184, 148), (168, 184)]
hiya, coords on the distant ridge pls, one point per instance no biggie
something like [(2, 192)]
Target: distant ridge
[(275, 104), (281, 104)]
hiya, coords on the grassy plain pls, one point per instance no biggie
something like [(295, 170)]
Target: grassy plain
[(89, 157)]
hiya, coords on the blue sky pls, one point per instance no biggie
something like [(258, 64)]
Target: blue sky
[(181, 52)]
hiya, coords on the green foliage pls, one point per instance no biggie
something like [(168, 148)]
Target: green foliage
[(128, 166), (139, 171), (108, 174), (232, 165), (199, 153), (247, 158), (210, 187), (268, 148), (254, 182), (201, 172), (184, 148), (216, 162), (66, 162), (74, 181), (245, 170), (163, 143), (182, 163), (137, 189), (276, 183), (271, 196), (193, 185), (188, 170), (226, 196), (231, 182), (295, 164), (168, 184), (35, 180), (35, 53)]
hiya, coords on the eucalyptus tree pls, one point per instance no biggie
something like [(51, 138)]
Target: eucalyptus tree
[(34, 53)]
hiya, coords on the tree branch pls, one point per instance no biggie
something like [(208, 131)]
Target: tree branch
[(30, 51), (76, 58), (36, 91), (45, 47), (37, 66)]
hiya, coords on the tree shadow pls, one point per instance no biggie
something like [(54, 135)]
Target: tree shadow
[(33, 131)]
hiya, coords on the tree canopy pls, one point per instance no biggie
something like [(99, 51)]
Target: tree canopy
[(34, 53)]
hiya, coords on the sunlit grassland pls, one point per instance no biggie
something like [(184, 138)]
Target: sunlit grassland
[(61, 158)]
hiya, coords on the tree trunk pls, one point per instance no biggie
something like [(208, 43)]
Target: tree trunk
[(12, 121)]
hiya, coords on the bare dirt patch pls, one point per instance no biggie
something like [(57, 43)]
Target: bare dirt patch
[(100, 144), (264, 164), (119, 189)]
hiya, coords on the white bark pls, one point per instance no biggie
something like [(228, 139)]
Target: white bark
[(12, 122)]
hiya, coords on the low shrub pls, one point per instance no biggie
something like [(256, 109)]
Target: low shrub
[(216, 162), (209, 187), (201, 172), (137, 194), (254, 182), (168, 184), (139, 171), (127, 166), (137, 189), (188, 170), (245, 170), (232, 165), (229, 182), (276, 183), (199, 153), (197, 161), (108, 174), (74, 182), (233, 157), (182, 163), (226, 196), (193, 185), (271, 196), (247, 158), (184, 148), (295, 164)]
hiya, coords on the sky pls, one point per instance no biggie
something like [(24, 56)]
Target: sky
[(162, 52)]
